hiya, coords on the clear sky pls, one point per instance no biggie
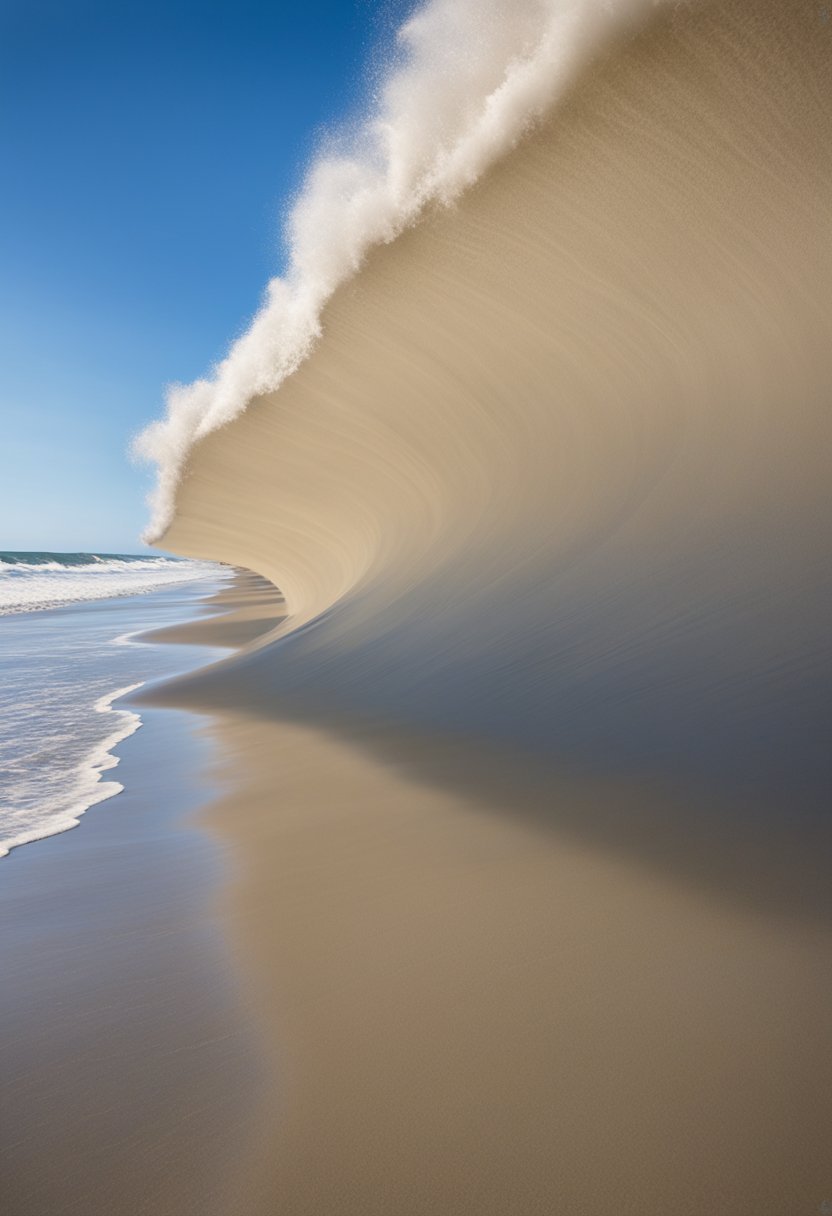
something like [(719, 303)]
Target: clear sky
[(147, 150)]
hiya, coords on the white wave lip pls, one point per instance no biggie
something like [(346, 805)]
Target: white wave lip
[(53, 816), (468, 79), (25, 587)]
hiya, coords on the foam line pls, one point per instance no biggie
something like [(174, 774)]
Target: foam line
[(90, 789)]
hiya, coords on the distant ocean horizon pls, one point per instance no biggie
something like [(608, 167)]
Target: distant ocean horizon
[(31, 580), (71, 558), (67, 657)]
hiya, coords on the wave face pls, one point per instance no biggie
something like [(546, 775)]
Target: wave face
[(557, 470), (468, 79), (30, 581)]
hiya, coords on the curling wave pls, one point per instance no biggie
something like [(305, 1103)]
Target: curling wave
[(469, 79), (557, 470)]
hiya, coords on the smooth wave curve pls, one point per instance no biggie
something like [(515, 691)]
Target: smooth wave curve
[(557, 470), (469, 79)]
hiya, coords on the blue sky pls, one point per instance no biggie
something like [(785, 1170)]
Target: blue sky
[(148, 150)]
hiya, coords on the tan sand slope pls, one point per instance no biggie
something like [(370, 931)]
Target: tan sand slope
[(558, 469), (492, 989), (245, 609), (473, 1014)]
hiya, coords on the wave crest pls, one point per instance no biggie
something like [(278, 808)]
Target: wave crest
[(468, 78)]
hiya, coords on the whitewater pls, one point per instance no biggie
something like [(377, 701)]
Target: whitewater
[(65, 667), (32, 581)]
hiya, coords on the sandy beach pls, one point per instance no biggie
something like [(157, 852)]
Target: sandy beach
[(399, 973), (131, 1066), (473, 1014), (509, 891), (474, 1004)]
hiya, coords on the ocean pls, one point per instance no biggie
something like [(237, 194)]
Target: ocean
[(68, 656)]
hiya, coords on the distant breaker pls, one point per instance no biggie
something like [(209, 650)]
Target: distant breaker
[(470, 77), (30, 581)]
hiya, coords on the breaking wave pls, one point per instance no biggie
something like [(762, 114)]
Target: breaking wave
[(557, 470), (30, 581), (468, 79)]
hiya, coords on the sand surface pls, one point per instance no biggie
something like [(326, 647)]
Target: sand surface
[(130, 1068), (244, 610), (473, 1010)]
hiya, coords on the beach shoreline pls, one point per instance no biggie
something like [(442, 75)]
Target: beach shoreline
[(395, 912), (471, 1007), (132, 1067), (482, 868), (530, 789)]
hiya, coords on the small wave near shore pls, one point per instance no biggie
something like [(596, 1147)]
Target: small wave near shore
[(64, 810), (64, 672)]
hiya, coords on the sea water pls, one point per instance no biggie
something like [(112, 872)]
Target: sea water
[(68, 653)]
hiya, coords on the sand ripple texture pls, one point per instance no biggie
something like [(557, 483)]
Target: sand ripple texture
[(557, 470)]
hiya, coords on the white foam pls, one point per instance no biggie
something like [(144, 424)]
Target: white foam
[(126, 639), (25, 587), (89, 789), (468, 79)]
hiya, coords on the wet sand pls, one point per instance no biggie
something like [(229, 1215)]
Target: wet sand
[(477, 1006), (130, 1068), (426, 987), (527, 793), (247, 608)]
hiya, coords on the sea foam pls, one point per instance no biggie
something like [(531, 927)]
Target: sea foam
[(63, 675), (466, 80), (29, 582), (64, 809)]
